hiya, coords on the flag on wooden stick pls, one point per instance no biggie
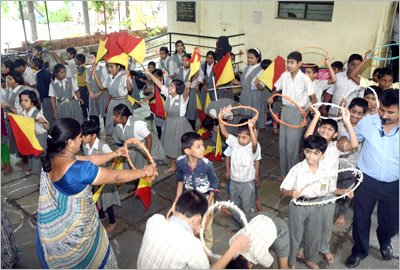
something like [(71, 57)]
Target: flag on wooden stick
[(223, 70), (273, 72)]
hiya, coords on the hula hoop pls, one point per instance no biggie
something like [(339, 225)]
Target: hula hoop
[(212, 208), (353, 187), (332, 105), (370, 88), (303, 124), (143, 147), (237, 107), (326, 56), (383, 58)]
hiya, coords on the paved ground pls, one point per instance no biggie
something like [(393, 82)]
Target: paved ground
[(20, 197)]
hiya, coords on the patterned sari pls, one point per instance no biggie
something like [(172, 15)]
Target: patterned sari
[(69, 232)]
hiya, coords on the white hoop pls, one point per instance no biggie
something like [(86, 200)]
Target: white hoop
[(345, 161), (332, 105), (219, 205), (356, 172), (363, 89)]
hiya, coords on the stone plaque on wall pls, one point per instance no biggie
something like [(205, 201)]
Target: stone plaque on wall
[(186, 11)]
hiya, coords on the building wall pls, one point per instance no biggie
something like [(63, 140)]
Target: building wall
[(356, 27)]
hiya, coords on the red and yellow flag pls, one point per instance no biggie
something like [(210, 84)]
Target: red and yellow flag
[(143, 192), (273, 72), (157, 104), (131, 99), (223, 70), (23, 129), (203, 132), (217, 156), (115, 53), (194, 62), (134, 47), (101, 50), (200, 109)]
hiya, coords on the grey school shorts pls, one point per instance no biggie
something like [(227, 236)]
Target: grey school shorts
[(281, 244)]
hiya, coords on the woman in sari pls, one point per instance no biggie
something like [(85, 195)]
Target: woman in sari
[(69, 232)]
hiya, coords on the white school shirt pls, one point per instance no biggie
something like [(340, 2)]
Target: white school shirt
[(62, 83), (194, 82), (351, 156), (340, 90), (71, 66), (253, 81), (208, 70), (140, 131), (298, 89), (39, 129), (330, 162), (242, 160), (300, 175), (122, 88), (170, 244), (319, 86), (95, 147), (228, 152), (29, 76), (183, 103), (104, 74)]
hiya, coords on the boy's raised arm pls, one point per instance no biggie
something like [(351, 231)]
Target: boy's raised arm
[(342, 143), (313, 124), (253, 136), (222, 127), (331, 72), (356, 71)]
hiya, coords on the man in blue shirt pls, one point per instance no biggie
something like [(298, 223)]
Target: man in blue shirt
[(379, 162)]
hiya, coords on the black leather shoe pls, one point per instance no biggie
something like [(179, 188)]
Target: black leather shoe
[(352, 261), (387, 253)]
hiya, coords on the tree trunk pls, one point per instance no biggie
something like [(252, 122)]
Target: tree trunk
[(127, 12), (86, 16), (32, 21)]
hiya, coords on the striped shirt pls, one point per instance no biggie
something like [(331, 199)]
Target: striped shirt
[(170, 245), (340, 90)]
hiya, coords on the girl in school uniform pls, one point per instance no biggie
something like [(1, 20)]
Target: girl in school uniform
[(127, 127), (98, 99), (206, 76), (166, 63), (29, 102), (11, 104), (179, 52), (183, 75), (176, 124), (118, 85), (64, 95), (252, 93)]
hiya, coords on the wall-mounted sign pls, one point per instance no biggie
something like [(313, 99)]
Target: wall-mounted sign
[(186, 11)]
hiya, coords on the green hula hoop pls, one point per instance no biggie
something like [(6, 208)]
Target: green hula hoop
[(383, 58)]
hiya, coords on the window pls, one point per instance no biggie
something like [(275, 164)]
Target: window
[(313, 11)]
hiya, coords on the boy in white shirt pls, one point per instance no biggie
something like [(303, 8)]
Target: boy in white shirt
[(245, 149), (27, 74), (70, 63)]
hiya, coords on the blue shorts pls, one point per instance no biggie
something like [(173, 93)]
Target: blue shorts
[(229, 184)]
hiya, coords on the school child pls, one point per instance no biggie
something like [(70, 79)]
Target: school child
[(98, 99), (65, 96), (252, 93), (127, 127), (375, 75), (369, 96), (328, 130), (109, 197), (176, 123), (27, 74), (118, 85), (133, 88), (267, 93), (320, 86), (70, 63), (358, 108), (12, 104), (194, 171), (6, 67), (179, 53), (245, 149), (80, 60), (206, 76), (267, 232), (297, 86), (337, 67), (5, 152), (29, 101), (43, 79), (151, 66), (37, 54), (385, 76), (183, 75), (343, 86), (166, 63)]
